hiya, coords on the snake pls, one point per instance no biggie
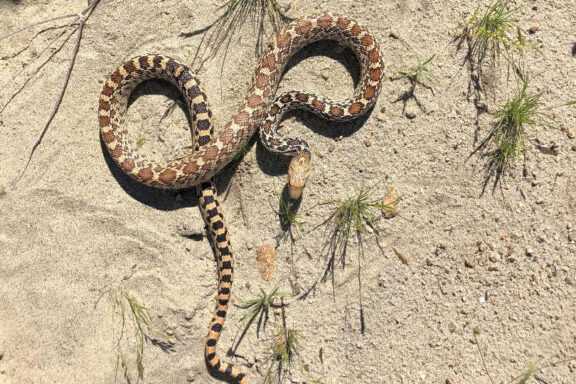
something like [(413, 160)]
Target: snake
[(261, 112)]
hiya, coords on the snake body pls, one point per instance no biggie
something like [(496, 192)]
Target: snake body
[(262, 110)]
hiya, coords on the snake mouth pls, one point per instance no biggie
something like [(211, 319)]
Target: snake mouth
[(298, 174)]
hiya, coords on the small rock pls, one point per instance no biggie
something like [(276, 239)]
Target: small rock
[(570, 132), (367, 143), (249, 245), (325, 75), (492, 267), (466, 310), (411, 114), (534, 27), (394, 34), (266, 261), (469, 263), (390, 203), (191, 378), (529, 252), (188, 315)]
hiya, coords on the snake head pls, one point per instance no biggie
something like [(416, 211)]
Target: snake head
[(298, 174)]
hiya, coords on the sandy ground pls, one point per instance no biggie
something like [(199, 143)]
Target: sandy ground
[(75, 227)]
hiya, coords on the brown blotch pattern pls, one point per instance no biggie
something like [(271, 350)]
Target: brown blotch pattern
[(374, 55), (274, 110), (116, 77), (145, 174), (325, 21), (242, 118), (375, 74), (128, 165), (104, 105), (336, 111), (261, 80), (211, 153), (269, 62), (356, 30), (108, 137), (167, 176), (369, 92), (254, 100), (302, 97), (283, 40), (355, 108), (129, 67), (143, 62), (107, 90), (318, 105), (367, 41), (303, 27), (343, 22), (191, 167), (104, 121), (117, 152)]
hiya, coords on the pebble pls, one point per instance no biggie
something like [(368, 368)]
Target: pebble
[(390, 201), (529, 252), (469, 263), (411, 114), (571, 133), (534, 27), (191, 378), (466, 310), (394, 34), (325, 75), (368, 142), (493, 268), (267, 261)]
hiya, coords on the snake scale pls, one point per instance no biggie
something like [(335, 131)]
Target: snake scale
[(261, 111)]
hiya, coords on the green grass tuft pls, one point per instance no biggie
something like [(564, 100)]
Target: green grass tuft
[(125, 306), (351, 217), (491, 34), (506, 141)]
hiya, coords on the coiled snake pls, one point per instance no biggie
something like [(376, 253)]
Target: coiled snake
[(262, 110)]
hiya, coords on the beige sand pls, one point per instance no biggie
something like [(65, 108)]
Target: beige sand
[(75, 227)]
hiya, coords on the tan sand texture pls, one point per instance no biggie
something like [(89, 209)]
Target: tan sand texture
[(481, 286)]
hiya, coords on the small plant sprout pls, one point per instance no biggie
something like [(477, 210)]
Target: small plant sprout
[(125, 306), (492, 34), (529, 373), (285, 346), (288, 214), (140, 142), (260, 307), (506, 141), (290, 223), (419, 74)]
